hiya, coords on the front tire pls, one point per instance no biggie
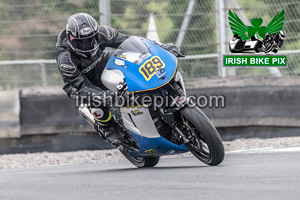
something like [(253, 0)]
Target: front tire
[(207, 146), (140, 162)]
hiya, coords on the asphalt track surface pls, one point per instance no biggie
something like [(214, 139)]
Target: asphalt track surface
[(256, 175)]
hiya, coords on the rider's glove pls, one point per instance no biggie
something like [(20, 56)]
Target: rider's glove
[(172, 49)]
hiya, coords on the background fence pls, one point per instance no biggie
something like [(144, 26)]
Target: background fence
[(29, 30)]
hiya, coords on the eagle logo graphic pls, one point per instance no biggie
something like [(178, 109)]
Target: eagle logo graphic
[(239, 28)]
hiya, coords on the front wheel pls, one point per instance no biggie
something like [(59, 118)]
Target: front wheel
[(141, 161), (205, 141)]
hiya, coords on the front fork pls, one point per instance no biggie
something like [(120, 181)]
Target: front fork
[(179, 102)]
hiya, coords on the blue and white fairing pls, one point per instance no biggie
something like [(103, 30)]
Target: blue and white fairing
[(134, 53), (144, 66)]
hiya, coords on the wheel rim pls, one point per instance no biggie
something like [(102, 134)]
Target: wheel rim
[(197, 142)]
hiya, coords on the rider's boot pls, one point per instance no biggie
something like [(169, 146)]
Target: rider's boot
[(110, 132)]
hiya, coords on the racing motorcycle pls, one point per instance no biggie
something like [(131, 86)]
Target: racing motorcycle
[(236, 45), (144, 68)]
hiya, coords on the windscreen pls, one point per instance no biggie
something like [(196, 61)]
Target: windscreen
[(133, 50)]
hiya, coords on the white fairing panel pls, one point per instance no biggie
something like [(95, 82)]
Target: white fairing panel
[(142, 122), (111, 78)]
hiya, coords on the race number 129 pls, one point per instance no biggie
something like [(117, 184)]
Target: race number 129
[(149, 68)]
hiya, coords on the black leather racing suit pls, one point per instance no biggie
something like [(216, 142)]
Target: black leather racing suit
[(82, 75)]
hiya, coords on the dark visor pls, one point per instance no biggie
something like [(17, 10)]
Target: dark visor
[(85, 44)]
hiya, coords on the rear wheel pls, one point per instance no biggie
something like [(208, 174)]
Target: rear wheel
[(205, 141), (141, 161)]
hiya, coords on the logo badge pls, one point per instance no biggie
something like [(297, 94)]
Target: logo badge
[(120, 62), (97, 113), (136, 112), (161, 73), (86, 31), (67, 68), (256, 37), (152, 152)]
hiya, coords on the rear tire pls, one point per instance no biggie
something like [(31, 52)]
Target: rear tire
[(212, 149), (141, 161)]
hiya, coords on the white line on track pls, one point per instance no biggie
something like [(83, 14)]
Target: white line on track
[(265, 150)]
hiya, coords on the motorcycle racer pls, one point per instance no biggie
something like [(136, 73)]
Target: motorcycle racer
[(81, 58)]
